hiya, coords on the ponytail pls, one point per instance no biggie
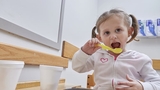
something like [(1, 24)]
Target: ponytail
[(93, 32), (135, 28)]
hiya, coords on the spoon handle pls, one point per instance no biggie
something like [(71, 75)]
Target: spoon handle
[(104, 46)]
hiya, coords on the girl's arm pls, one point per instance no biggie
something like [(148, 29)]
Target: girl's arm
[(81, 62), (150, 76)]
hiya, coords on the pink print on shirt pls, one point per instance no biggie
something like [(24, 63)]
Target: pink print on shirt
[(103, 60)]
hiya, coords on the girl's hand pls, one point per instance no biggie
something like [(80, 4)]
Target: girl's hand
[(130, 85), (91, 46)]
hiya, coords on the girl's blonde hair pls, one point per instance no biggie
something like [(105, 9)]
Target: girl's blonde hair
[(129, 20)]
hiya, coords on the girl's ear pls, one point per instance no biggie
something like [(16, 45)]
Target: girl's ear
[(130, 31)]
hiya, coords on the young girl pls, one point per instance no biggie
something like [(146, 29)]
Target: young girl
[(128, 70)]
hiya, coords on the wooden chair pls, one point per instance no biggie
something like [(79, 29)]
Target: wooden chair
[(90, 81), (68, 50)]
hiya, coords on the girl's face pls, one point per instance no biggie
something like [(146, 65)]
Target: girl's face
[(114, 32)]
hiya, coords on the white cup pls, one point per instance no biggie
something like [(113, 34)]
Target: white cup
[(9, 74), (49, 77)]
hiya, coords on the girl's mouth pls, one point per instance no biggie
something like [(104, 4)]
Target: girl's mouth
[(115, 45)]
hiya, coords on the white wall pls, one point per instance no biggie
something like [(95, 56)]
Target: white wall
[(142, 9), (79, 18)]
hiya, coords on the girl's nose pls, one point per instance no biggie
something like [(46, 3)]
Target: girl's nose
[(113, 36)]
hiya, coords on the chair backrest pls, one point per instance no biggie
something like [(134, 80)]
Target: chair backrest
[(90, 81), (68, 50)]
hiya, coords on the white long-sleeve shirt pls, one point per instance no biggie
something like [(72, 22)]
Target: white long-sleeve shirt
[(108, 70)]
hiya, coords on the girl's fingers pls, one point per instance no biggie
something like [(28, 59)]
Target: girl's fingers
[(129, 79), (93, 42), (127, 83), (124, 88)]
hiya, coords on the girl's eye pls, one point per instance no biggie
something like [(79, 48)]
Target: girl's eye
[(107, 32), (118, 30)]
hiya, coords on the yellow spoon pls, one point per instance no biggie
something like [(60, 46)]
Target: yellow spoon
[(116, 50)]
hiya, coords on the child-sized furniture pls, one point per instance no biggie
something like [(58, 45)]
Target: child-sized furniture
[(32, 57)]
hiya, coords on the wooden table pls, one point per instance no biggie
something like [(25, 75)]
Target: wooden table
[(35, 85), (60, 87)]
